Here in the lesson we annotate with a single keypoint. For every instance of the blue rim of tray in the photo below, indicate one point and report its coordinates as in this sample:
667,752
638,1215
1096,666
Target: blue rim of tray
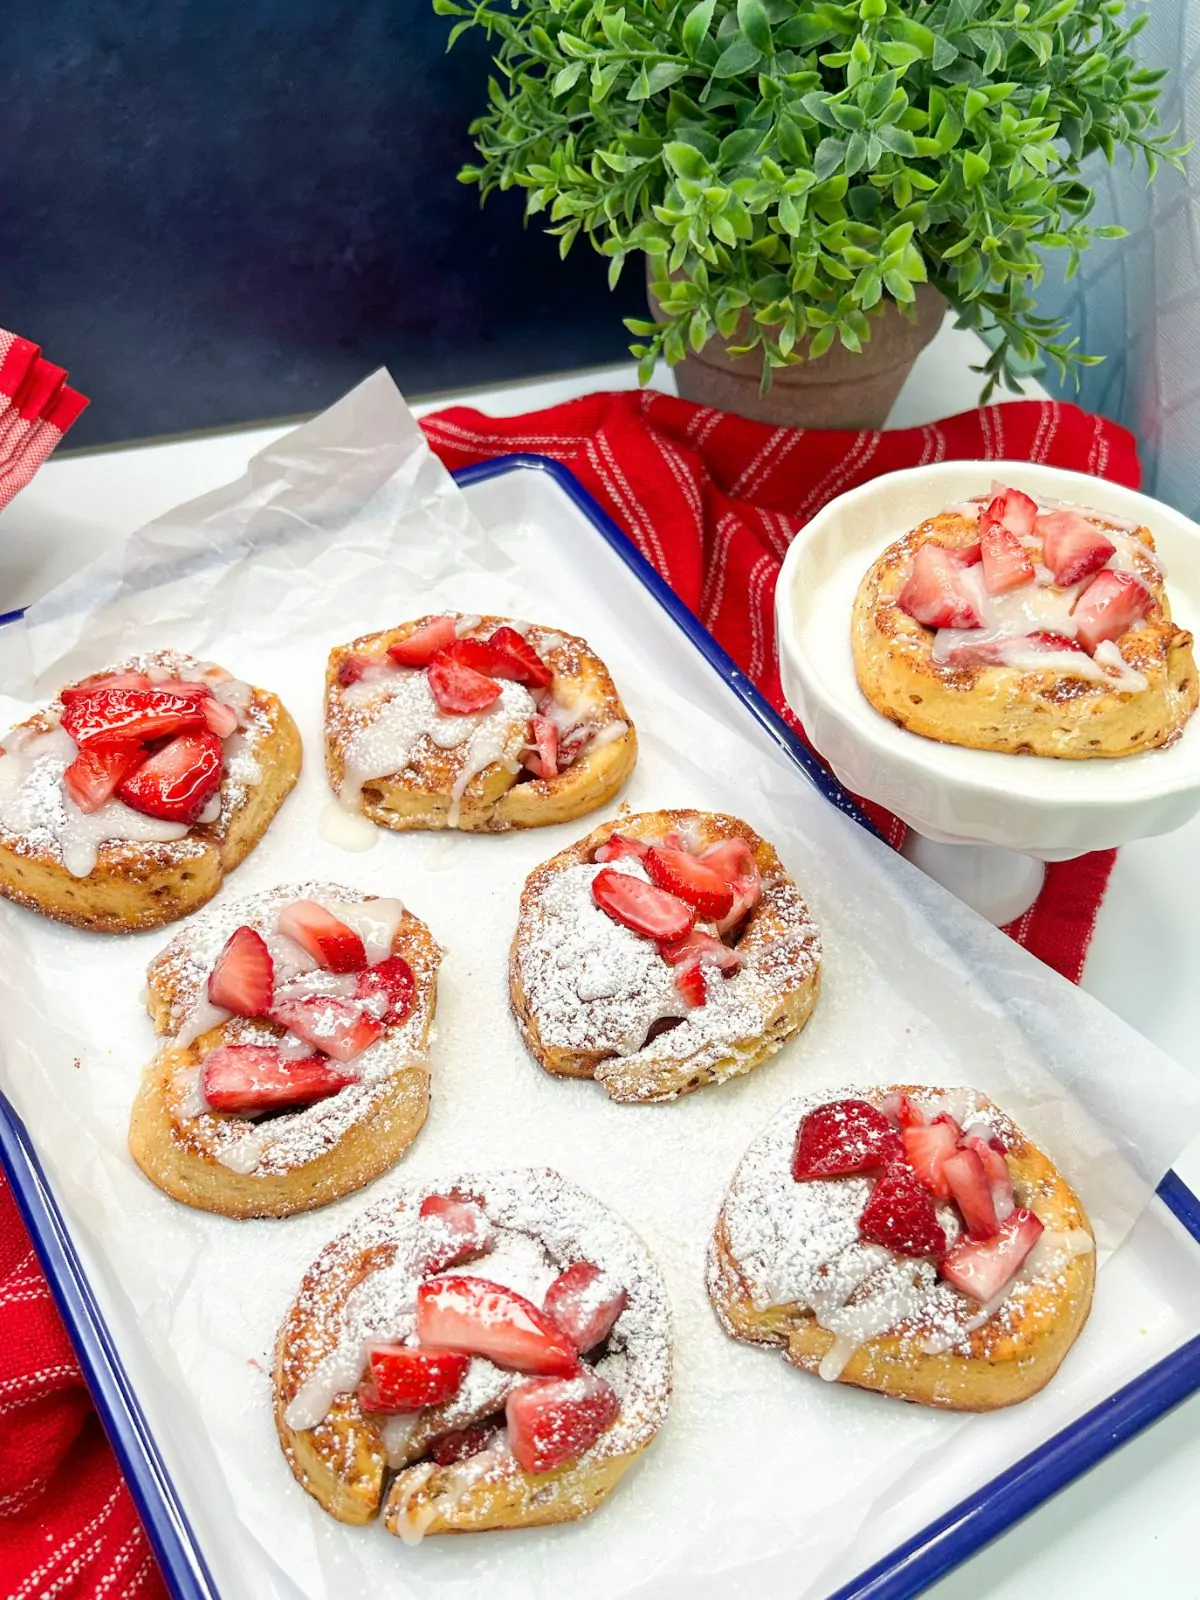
905,1571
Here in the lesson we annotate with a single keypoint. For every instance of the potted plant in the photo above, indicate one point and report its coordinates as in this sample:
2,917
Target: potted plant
812,182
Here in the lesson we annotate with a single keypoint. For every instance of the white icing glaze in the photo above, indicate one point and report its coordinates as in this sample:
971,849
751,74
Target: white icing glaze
375,922
349,830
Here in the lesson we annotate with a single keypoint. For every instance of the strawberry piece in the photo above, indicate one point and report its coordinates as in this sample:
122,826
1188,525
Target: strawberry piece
1072,547
243,980
1044,640
219,718
1006,565
1014,510
585,1304
105,680
178,781
393,979
641,906
700,947
458,689
418,648
936,593
462,1443
972,1192
928,1148
115,716
481,656
968,555
981,1268
94,775
995,1168
689,981
243,1079
1110,605
326,937
900,1215
543,761
522,661
617,845
405,1378
734,861
899,1109
688,878
341,1028
481,1318
554,1420
351,668
458,1228
841,1138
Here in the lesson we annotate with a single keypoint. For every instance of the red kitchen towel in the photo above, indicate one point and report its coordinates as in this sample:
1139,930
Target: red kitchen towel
711,501
37,406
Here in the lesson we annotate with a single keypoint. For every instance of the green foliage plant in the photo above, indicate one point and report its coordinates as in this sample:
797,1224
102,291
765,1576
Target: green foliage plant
790,166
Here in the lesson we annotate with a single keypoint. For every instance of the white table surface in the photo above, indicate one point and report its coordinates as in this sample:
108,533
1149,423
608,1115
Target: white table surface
1128,1526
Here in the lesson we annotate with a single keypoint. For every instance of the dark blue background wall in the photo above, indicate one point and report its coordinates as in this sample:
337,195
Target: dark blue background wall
217,211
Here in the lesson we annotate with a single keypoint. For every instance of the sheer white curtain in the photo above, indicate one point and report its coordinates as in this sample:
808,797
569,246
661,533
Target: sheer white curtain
1136,301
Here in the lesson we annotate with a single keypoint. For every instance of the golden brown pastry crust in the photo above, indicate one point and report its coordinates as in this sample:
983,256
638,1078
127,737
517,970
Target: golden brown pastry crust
342,1461
778,934
1008,709
179,1150
494,801
1006,1360
135,886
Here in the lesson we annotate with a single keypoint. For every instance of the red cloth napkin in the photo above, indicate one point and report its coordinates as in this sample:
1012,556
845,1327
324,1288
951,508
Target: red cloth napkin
712,502
37,406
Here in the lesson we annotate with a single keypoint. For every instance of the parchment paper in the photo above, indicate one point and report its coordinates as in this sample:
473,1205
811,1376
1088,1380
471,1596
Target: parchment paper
761,1475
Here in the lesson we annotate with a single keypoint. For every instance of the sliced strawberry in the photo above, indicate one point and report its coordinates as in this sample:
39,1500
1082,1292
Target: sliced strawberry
243,980
351,668
928,1148
326,937
968,555
405,1378
617,845
246,1078
554,1420
641,906
901,1216
841,1138
972,1192
585,1304
898,1108
688,878
94,775
461,1443
1044,640
1014,510
178,781
689,981
936,593
482,1318
1072,547
219,718
114,716
523,662
1006,565
393,979
105,680
480,655
457,1228
543,760
983,1267
996,1170
734,861
700,947
458,689
419,647
1110,605
341,1028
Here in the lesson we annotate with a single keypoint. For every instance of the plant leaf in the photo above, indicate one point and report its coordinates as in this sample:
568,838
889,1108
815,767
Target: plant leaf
755,24
736,58
696,25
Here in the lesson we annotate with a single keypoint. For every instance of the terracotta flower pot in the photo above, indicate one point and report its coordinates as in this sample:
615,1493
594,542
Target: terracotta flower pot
837,390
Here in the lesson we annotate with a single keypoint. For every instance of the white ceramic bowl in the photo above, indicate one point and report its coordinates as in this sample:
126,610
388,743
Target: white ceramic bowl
1044,808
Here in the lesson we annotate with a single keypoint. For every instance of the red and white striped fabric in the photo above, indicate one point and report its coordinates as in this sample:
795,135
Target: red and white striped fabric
37,406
